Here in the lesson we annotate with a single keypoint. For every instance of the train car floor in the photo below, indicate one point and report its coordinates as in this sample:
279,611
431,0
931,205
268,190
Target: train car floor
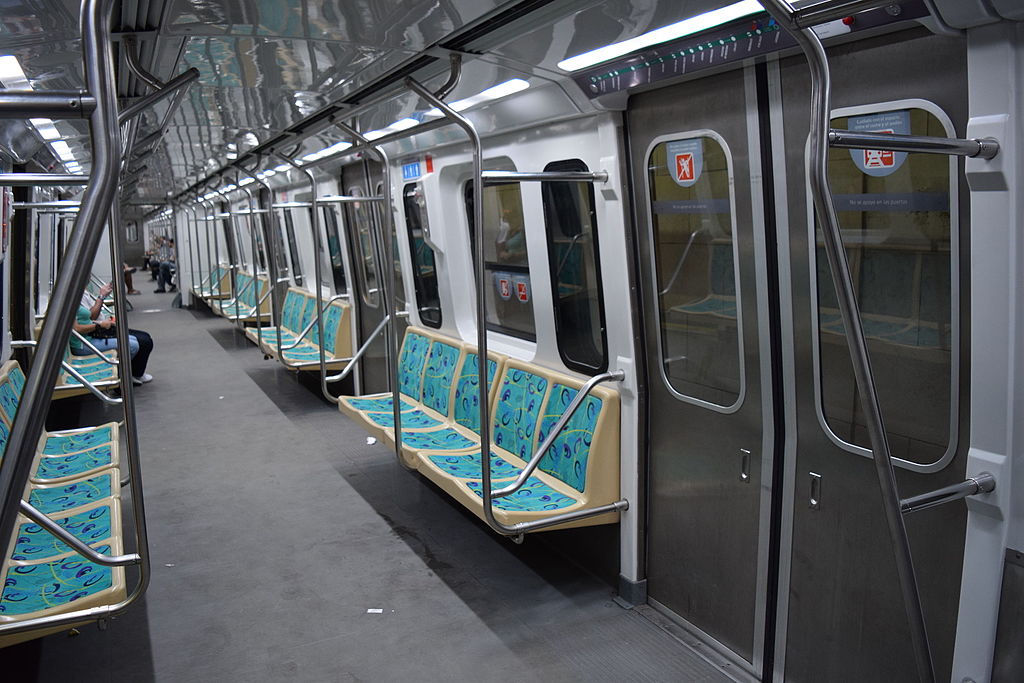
286,548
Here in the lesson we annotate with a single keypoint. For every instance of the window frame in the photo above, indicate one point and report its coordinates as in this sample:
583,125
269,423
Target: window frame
410,204
369,296
547,187
656,288
955,293
294,259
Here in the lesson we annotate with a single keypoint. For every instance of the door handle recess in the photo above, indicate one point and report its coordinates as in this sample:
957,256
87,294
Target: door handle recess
815,498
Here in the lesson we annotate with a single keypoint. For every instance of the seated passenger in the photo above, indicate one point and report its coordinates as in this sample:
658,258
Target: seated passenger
89,323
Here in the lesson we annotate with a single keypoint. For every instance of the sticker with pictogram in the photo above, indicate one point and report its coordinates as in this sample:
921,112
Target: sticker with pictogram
879,162
522,292
504,288
685,159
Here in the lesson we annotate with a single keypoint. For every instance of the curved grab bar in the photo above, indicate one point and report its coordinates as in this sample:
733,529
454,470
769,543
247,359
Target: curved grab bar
93,389
81,548
577,401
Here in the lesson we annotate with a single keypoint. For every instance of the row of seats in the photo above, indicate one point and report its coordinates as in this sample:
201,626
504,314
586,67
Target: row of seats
298,316
216,285
75,480
251,303
440,414
93,369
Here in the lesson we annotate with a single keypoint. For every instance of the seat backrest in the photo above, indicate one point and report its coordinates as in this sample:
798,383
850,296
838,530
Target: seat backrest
12,382
517,409
337,332
308,309
467,395
291,311
412,360
438,375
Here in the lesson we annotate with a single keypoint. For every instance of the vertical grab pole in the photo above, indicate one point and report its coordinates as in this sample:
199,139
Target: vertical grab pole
821,109
481,300
271,277
387,246
131,429
99,194
255,261
210,258
275,299
189,224
315,226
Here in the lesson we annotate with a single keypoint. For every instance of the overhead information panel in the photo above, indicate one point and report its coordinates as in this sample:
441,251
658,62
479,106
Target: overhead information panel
732,42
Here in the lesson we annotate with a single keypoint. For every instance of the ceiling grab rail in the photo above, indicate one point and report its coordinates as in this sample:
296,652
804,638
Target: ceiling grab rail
82,246
516,531
269,228
385,248
184,79
820,113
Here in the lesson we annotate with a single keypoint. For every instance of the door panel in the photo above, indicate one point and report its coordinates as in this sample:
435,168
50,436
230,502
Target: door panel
691,173
846,619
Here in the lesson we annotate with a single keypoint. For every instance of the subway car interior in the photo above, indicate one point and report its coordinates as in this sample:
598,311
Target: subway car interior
729,290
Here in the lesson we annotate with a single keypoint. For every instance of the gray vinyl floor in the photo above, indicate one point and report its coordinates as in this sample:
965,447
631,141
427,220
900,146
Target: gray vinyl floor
275,528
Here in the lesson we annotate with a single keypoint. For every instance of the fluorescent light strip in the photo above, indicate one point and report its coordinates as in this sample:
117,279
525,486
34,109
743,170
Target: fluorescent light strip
701,22
12,75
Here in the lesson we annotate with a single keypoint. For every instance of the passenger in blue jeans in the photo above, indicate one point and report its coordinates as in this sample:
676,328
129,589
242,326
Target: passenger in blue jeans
88,321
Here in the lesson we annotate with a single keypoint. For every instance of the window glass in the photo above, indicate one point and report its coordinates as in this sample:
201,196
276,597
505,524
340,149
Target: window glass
894,211
509,293
359,215
293,247
575,270
691,212
424,269
334,247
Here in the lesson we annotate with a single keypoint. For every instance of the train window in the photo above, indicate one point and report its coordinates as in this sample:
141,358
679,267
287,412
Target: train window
690,184
133,232
334,248
293,248
424,268
359,216
895,212
509,294
571,224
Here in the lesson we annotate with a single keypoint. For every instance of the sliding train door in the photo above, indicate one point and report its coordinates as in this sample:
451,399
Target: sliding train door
905,228
766,532
700,232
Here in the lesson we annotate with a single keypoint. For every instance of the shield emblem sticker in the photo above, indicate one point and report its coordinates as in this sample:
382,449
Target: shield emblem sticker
685,159
879,162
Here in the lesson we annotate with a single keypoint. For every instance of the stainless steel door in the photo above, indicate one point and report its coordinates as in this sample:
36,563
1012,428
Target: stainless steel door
905,240
697,237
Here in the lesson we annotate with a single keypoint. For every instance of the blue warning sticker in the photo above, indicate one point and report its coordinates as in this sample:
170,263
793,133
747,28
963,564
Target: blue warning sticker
880,162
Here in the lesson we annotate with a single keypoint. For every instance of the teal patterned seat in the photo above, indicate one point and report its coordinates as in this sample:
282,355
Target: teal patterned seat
76,494
467,466
35,543
566,459
445,439
53,467
37,587
411,361
518,411
534,496
60,444
413,419
435,392
379,404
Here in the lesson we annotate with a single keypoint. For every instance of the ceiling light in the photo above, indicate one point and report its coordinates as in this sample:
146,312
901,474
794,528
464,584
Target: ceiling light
493,93
46,129
701,22
62,150
282,168
12,75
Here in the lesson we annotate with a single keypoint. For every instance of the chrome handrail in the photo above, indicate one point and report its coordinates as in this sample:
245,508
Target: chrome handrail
983,482
682,260
354,359
70,539
821,193
556,430
95,351
94,389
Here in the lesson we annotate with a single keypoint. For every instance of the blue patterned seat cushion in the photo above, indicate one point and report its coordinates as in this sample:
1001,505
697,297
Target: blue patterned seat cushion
35,543
60,498
37,587
60,466
60,444
446,439
517,411
438,375
534,496
467,466
411,362
9,399
414,419
467,393
567,457
100,374
380,404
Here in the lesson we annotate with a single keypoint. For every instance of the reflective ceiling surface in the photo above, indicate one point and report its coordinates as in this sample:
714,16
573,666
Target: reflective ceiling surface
265,65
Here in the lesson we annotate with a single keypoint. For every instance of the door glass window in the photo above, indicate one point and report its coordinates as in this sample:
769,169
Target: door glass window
509,293
694,263
575,270
334,248
894,211
424,267
293,247
360,216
